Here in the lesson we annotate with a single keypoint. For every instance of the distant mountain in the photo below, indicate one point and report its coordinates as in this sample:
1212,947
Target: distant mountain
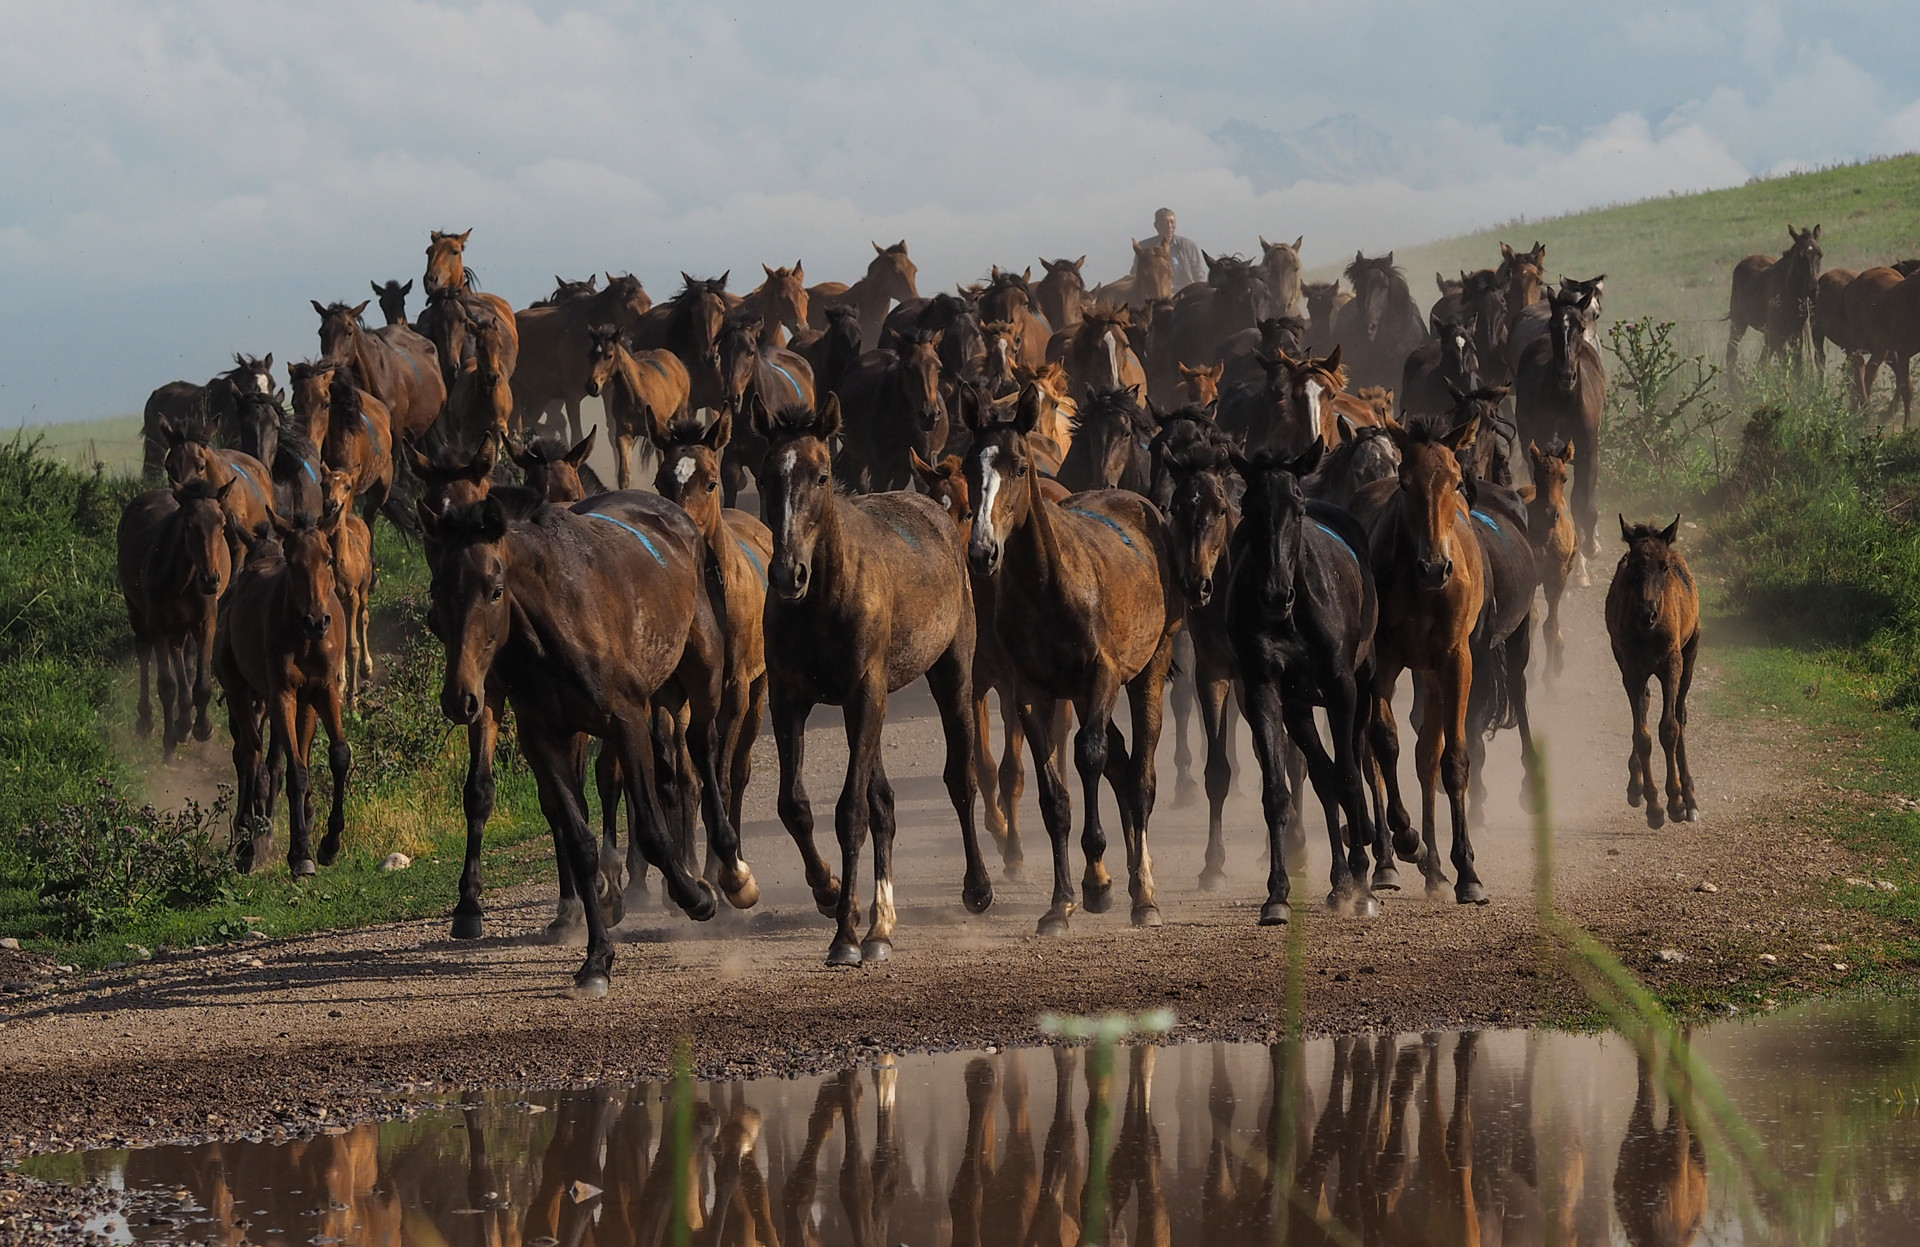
1342,149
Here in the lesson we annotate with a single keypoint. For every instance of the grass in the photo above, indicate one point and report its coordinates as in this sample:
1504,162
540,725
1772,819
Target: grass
112,441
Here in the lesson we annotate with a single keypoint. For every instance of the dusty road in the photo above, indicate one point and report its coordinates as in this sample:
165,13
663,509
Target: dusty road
276,1033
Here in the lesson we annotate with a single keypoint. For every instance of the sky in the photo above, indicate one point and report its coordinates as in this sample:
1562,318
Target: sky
177,180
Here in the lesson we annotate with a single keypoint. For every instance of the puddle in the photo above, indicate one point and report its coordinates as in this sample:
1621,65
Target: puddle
1479,1137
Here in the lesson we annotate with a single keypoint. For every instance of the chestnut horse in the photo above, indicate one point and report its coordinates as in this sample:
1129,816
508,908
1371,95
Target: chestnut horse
394,364
891,277
1099,356
1555,542
550,377
1382,324
892,407
278,653
352,544
191,456
868,593
1062,293
1653,620
1086,602
1560,390
1010,298
1151,278
641,390
1776,297
556,471
359,442
780,303
173,565
478,350
447,274
689,325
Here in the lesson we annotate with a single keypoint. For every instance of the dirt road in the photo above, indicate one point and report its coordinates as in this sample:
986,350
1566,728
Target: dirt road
270,1034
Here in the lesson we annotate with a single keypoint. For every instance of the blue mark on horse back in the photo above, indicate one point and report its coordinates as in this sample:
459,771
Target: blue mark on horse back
651,548
789,377
251,483
759,568
1351,552
1110,522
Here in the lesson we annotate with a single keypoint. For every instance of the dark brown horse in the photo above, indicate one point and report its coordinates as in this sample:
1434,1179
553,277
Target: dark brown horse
352,543
191,456
1062,293
1776,297
392,297
642,390
1240,354
1560,391
1087,603
1522,278
1555,542
891,277
394,364
174,563
359,442
1324,300
867,594
1653,619
556,471
689,325
1010,298
1205,317
833,351
780,302
1382,325
587,620
478,350
892,407
1110,443
550,377
1435,369
279,654
186,405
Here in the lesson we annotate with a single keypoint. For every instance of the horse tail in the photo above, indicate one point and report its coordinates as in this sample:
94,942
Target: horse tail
1504,711
399,505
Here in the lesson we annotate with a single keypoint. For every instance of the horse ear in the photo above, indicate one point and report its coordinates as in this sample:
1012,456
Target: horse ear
827,423
1299,242
281,528
414,459
1332,361
1454,390
493,519
376,288
1506,252
1462,437
1348,429
408,288
579,454
1439,282
1816,231
172,435
1241,464
220,494
758,416
1307,462
317,307
877,248
1077,263
766,270
1264,244
518,452
480,467
719,433
1533,449
361,308
1027,273
684,279
1671,533
1566,452
429,520
463,237
799,271
927,473
1626,533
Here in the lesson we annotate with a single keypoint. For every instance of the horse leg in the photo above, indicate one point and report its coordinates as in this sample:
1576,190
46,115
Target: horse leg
1182,695
985,769
573,422
339,761
203,677
1586,488
1518,654
1426,765
1386,754
610,787
476,799
1056,807
1449,711
1013,782
703,733
171,696
1090,748
1640,759
290,732
866,712
1736,330
243,724
623,455
1145,697
635,744
877,945
1264,725
1215,695
1669,677
1690,802
1556,587
951,681
789,715
551,757
742,750
143,652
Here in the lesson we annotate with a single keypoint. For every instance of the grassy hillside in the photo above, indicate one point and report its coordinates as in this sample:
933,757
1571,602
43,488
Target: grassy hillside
1670,258
113,441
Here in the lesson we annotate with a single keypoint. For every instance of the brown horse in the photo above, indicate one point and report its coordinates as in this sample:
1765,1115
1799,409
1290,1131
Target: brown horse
1829,321
1382,325
1110,446
1317,400
174,563
867,594
1052,439
1279,272
352,579
891,277
740,549
892,406
1522,280
447,273
1087,602
184,404
1776,297
278,654
1062,293
1201,386
1653,619
1560,390
1099,356
392,297
550,377
478,350
359,442
642,391
1324,301
1151,278
1550,529
1011,298
689,324
191,456
1660,1180
999,374
587,620
556,471
780,302
311,381
394,364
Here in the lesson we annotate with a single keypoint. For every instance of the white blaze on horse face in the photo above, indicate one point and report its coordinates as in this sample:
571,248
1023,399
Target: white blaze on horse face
1113,356
989,490
262,383
1314,391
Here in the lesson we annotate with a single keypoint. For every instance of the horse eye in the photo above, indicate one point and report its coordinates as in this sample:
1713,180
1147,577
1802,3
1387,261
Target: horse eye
825,477
712,485
498,593
1020,470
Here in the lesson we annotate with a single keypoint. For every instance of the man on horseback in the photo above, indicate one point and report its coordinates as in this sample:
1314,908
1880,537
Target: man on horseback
1188,266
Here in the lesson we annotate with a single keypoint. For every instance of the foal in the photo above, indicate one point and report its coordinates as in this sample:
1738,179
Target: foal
1555,543
867,594
1653,619
555,471
638,387
352,579
174,562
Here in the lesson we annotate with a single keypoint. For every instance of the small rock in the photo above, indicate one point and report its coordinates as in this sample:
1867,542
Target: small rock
258,935
256,963
396,861
1343,977
10,944
1706,885
580,1192
140,953
1839,967
1886,885
1727,1007
1670,956
63,969
1854,881
1613,852
335,1013
1768,959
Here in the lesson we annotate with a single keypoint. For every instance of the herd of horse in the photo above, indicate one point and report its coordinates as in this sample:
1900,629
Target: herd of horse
1021,487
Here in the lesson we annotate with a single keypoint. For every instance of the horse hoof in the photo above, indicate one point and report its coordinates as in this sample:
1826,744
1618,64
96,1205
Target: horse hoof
1275,914
1147,916
1436,887
745,893
1097,898
304,868
1211,878
1386,878
1185,793
1471,893
466,926
565,933
1366,906
706,904
1053,924
203,730
1013,869
1656,817
1693,815
978,898
876,950
329,850
843,953
827,899
144,727
588,987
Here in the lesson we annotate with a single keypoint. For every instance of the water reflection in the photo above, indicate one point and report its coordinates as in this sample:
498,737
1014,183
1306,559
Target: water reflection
1472,1138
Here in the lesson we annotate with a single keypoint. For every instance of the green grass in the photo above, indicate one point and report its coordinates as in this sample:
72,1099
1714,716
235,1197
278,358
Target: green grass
112,441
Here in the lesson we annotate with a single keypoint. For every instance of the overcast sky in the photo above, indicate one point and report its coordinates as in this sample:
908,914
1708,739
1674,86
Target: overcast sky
177,180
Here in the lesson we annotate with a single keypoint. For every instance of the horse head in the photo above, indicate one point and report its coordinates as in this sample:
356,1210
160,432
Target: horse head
450,481
1190,458
1374,281
1152,270
472,609
1280,269
689,471
1000,471
893,273
340,328
1569,317
1275,511
796,486
1433,489
446,263
946,483
203,521
553,468
1650,569
1802,263
1114,427
308,551
393,300
1523,274
785,295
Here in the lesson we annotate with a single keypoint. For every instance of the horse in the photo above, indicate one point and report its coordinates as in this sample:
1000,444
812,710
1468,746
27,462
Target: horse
359,442
999,373
586,620
1448,361
1301,608
1522,280
1239,353
739,548
1828,321
1052,440
550,376
1883,305
1010,298
396,365
1098,355
1653,620
392,297
1204,317
1382,324
892,406
311,382
780,302
641,390
184,404
689,324
1489,457
750,367
1150,278
955,317
447,275
833,351
1555,542
564,290
866,594
1201,386
173,564
1086,602
556,471
296,468
1315,399
352,543
1279,273
1560,390
478,350
278,657
191,456
1364,454
891,277
1452,297
1776,297
1062,293
1110,446
1324,301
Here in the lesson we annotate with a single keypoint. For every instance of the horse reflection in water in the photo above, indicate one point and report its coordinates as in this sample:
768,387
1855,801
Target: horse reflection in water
869,1181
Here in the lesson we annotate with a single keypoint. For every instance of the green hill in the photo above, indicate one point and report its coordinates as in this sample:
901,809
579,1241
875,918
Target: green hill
114,441
1670,258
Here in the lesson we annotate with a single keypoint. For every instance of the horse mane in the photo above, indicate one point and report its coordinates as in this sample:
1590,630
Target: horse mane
1396,277
1115,403
196,489
295,448
685,429
1108,316
1428,428
1320,287
1189,441
1636,533
341,309
1481,283
793,420
695,287
842,311
547,450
